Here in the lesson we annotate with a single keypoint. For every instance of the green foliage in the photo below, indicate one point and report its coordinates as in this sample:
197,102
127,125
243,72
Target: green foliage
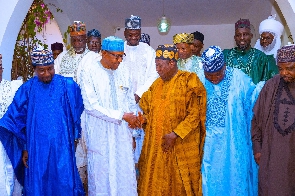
35,20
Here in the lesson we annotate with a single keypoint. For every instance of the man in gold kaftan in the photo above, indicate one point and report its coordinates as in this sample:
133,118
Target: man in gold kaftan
174,112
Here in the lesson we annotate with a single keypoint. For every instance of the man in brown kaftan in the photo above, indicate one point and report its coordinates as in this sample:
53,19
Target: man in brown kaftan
273,129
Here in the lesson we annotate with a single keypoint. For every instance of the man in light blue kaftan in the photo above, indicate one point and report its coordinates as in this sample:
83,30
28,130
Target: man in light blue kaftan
227,161
186,60
39,131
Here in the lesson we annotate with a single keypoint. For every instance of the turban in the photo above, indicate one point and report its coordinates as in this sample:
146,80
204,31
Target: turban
242,23
113,43
134,22
41,58
198,36
78,28
286,54
145,38
94,33
212,59
272,26
183,38
167,52
57,46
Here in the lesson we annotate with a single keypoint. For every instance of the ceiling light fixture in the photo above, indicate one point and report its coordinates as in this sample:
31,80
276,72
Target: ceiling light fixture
163,23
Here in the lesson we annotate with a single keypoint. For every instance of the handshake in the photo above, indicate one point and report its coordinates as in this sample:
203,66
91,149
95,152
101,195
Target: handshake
134,121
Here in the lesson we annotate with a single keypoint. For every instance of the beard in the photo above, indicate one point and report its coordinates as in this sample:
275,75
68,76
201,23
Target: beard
243,47
270,46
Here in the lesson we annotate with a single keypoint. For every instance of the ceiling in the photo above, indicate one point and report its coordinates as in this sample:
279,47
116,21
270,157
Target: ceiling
182,12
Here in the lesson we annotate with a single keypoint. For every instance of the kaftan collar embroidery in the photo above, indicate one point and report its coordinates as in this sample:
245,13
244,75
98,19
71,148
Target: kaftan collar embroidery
286,103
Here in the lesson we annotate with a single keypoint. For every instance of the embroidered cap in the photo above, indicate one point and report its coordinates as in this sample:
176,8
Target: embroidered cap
42,58
198,36
212,59
242,23
57,46
167,52
94,33
78,28
134,22
286,54
145,38
113,43
183,38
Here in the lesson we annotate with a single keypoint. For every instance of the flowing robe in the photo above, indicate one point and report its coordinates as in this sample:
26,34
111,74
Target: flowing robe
252,62
140,62
7,188
44,119
107,95
177,105
228,159
273,135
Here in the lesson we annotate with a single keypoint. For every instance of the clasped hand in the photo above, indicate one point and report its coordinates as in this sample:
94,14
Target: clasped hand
133,120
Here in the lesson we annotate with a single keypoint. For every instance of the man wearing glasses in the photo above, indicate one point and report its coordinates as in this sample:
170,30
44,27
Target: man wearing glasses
270,31
109,104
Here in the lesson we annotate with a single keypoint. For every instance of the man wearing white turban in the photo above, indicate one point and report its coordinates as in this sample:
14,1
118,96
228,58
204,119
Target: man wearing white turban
270,31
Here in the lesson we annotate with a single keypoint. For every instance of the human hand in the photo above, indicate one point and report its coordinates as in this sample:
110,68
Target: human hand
141,118
137,98
168,141
25,158
257,157
133,121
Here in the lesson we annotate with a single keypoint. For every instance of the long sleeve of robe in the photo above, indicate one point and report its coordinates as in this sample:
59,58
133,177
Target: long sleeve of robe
107,94
228,159
177,105
44,119
274,115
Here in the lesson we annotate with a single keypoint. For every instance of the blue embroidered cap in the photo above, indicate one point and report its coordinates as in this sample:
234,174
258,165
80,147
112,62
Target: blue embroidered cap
42,58
212,59
145,38
94,33
113,43
134,22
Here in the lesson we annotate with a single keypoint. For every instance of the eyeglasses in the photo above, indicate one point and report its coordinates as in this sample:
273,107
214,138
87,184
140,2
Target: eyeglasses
117,56
269,39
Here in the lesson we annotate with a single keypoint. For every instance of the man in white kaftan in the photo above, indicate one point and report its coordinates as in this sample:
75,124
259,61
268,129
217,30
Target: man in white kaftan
69,64
140,62
109,100
8,183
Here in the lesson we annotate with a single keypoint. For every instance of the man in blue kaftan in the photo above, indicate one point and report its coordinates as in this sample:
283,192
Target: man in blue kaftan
39,131
227,160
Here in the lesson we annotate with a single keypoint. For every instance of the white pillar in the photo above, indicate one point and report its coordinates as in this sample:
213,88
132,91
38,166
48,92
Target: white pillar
12,15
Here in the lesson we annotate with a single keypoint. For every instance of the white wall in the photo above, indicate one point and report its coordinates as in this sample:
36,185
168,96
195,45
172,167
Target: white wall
12,15
51,34
221,35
